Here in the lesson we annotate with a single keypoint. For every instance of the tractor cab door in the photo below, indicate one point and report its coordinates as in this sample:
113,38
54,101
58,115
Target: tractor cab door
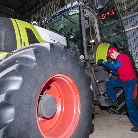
111,26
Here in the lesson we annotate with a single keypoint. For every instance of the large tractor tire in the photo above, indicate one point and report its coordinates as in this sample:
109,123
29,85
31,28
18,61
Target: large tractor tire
7,35
44,92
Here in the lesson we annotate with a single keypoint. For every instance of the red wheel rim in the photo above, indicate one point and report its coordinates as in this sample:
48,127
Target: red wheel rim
64,122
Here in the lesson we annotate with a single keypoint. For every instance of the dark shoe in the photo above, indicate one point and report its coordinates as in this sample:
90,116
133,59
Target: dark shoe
115,103
135,129
111,102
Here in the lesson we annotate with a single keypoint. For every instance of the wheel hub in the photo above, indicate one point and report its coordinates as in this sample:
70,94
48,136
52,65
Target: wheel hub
58,110
47,106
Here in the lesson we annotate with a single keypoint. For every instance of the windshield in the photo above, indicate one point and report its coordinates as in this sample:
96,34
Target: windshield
111,27
67,24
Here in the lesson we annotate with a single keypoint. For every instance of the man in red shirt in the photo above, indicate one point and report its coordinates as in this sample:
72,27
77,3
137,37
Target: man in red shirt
122,67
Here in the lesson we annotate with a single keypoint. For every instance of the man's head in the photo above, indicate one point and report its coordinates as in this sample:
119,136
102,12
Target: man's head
112,53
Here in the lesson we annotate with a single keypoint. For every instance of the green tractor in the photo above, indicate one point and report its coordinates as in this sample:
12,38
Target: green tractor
49,77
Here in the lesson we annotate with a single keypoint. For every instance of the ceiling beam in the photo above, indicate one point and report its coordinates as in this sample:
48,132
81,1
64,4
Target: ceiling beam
14,9
36,7
62,3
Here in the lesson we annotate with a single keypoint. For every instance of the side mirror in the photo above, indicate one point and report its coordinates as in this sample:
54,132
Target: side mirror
99,4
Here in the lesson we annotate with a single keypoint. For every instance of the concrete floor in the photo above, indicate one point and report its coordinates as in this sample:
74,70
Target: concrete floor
107,125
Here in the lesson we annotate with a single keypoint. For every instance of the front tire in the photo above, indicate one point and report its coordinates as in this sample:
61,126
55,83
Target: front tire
49,92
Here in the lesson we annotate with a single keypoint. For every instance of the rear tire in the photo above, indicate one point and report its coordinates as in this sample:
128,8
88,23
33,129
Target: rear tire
27,75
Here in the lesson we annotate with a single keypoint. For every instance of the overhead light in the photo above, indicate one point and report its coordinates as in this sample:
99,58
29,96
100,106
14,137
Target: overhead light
34,23
71,36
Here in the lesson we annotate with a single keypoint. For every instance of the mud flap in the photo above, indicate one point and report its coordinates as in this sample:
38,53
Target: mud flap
136,102
135,96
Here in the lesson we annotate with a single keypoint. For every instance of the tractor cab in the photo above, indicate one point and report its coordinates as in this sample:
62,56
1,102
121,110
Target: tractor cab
85,26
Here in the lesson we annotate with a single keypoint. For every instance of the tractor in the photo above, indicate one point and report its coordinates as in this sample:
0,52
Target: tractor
50,81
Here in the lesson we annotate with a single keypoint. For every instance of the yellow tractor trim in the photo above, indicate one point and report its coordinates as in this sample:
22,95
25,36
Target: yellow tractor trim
18,39
102,51
2,55
21,34
22,26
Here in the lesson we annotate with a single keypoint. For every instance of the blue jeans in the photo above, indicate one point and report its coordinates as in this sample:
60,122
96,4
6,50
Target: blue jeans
128,87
